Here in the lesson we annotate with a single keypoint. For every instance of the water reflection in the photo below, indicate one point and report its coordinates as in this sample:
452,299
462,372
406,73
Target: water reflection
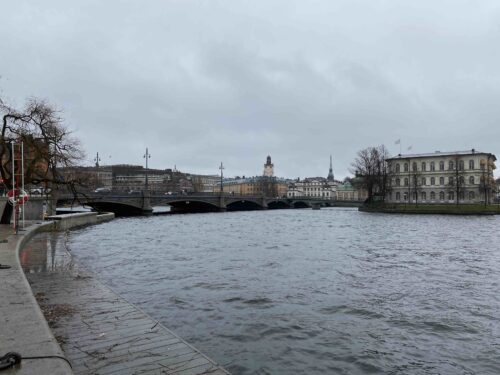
46,253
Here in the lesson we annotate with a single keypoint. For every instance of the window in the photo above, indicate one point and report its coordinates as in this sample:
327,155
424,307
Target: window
406,167
441,165
461,196
433,166
461,165
433,195
461,181
451,181
424,181
441,195
471,180
451,195
414,195
471,164
441,180
398,182
406,181
451,166
433,181
424,167
398,196
471,195
424,196
405,196
398,168
414,166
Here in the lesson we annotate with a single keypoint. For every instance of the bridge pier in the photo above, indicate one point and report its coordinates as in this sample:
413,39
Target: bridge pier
264,203
222,203
146,203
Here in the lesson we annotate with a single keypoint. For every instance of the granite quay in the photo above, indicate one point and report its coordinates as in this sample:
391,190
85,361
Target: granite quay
99,332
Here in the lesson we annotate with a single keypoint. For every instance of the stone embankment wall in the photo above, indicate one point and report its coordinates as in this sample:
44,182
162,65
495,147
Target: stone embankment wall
69,221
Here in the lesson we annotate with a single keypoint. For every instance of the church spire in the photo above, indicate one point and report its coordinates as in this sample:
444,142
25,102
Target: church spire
330,171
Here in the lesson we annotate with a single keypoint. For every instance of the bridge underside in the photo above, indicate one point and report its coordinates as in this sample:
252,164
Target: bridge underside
127,205
243,205
300,204
119,209
277,205
192,207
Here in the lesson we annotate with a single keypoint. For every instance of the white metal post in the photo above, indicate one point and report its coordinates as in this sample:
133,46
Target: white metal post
22,177
13,175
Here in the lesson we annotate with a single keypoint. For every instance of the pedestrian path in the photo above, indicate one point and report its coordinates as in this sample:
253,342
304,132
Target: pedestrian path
101,333
23,328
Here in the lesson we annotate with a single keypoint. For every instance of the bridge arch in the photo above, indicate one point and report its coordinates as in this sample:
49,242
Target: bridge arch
189,205
274,205
118,208
301,204
243,205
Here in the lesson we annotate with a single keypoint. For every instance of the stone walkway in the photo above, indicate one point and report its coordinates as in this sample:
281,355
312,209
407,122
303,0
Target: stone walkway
101,333
23,328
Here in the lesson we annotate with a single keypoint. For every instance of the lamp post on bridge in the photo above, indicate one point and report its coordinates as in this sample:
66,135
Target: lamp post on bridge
147,156
97,159
221,177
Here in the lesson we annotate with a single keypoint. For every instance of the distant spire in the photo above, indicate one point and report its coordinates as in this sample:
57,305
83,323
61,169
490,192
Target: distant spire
330,171
268,167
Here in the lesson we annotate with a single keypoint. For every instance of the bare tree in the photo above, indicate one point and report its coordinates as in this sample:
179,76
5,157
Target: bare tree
48,144
487,181
457,181
268,186
371,168
415,184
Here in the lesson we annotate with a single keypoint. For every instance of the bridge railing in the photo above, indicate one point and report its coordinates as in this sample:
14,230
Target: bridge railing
309,197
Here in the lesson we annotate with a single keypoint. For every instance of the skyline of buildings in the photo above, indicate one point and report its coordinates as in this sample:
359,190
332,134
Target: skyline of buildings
439,177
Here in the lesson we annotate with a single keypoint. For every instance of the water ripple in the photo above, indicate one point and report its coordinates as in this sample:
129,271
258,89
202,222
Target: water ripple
329,291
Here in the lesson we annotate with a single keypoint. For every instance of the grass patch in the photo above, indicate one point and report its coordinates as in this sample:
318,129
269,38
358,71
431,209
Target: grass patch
461,209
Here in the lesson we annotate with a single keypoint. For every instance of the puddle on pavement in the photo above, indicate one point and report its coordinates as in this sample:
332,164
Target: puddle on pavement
46,253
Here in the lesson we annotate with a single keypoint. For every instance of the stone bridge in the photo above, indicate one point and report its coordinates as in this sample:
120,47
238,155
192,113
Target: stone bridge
141,203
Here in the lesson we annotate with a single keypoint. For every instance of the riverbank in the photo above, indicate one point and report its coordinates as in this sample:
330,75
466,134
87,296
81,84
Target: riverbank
85,316
439,209
24,328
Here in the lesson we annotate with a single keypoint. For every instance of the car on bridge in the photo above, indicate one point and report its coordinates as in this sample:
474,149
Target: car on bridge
102,190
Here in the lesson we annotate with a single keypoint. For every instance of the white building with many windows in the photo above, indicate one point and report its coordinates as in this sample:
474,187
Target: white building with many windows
313,187
442,177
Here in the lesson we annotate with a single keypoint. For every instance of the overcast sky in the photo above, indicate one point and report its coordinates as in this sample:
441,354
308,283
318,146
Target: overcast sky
200,82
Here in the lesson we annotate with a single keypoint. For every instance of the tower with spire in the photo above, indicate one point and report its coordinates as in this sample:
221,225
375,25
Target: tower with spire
330,171
268,168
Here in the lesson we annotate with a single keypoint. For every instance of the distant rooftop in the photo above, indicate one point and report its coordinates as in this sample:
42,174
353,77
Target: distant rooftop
440,153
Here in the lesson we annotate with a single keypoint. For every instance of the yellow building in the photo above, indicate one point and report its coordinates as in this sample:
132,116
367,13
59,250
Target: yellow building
268,186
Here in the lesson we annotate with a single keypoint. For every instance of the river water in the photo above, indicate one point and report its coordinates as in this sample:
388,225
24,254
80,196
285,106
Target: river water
333,291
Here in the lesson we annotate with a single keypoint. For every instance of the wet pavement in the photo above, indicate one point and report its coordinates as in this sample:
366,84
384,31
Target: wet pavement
100,332
23,327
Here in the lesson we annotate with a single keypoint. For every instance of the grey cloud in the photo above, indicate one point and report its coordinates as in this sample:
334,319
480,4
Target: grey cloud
199,82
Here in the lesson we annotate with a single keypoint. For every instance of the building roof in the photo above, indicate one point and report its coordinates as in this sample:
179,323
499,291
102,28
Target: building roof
439,153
